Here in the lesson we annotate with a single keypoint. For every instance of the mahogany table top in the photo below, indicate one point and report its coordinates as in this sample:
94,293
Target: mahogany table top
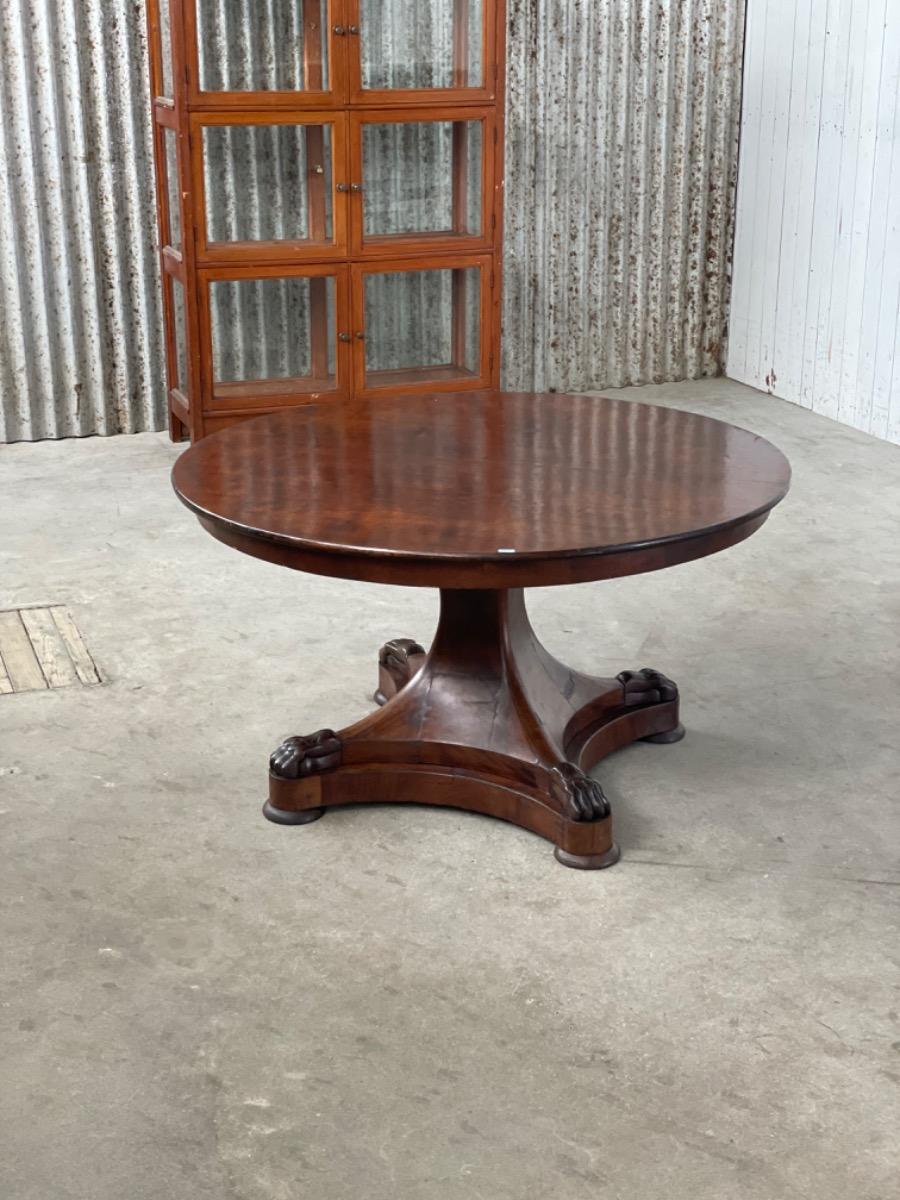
482,489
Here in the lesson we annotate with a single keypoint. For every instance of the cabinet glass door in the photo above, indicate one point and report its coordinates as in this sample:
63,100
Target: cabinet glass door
166,80
421,47
169,168
277,338
420,327
180,376
247,47
424,181
272,187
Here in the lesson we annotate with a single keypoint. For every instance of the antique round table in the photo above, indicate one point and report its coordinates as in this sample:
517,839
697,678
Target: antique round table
481,495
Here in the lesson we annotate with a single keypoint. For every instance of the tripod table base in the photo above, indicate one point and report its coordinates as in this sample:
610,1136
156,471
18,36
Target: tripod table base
486,721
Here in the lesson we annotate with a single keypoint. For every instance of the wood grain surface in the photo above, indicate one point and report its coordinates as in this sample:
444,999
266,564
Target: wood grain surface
482,489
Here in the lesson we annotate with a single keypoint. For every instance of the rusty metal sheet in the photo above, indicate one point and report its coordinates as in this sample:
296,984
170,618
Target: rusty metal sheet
622,148
81,348
622,138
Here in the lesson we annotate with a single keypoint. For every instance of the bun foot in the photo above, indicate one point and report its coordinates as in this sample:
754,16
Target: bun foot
588,862
283,816
666,739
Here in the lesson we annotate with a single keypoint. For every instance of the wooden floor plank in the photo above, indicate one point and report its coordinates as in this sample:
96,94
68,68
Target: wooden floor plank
49,647
19,658
85,666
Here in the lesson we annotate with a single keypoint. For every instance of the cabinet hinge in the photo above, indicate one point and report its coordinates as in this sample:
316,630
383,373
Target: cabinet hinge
492,280
493,221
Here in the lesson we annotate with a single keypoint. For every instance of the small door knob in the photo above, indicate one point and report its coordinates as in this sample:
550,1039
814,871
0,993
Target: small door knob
353,29
360,336
344,337
356,187
339,30
341,187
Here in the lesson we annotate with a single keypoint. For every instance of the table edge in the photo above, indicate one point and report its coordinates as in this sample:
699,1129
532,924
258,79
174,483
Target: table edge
507,572
415,558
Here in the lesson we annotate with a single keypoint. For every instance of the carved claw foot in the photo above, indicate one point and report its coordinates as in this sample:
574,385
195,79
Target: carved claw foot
582,798
646,687
398,661
583,803
298,757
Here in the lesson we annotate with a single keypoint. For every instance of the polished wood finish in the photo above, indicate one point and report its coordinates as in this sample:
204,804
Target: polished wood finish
482,495
489,722
483,489
398,661
200,404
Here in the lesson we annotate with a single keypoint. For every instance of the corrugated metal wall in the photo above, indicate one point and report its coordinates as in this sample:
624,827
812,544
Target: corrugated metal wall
623,118
816,309
622,146
80,317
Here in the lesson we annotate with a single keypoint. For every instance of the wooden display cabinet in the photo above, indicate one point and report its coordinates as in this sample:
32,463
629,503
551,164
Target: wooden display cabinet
330,195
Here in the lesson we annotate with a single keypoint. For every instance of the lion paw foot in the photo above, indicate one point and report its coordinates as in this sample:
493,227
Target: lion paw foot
398,661
298,757
646,687
583,798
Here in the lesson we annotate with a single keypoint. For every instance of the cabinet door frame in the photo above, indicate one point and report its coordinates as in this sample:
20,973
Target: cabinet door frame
257,396
391,245
405,97
421,262
288,251
178,389
337,54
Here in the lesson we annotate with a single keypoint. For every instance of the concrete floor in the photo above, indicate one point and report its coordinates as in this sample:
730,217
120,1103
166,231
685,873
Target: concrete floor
420,1004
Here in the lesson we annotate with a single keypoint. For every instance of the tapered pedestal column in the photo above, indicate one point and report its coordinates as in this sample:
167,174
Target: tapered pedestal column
488,721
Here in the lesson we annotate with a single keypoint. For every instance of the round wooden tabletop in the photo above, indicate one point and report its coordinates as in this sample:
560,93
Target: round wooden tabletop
481,489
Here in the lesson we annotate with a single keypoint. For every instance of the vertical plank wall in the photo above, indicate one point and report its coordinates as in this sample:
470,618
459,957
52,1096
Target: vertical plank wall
815,309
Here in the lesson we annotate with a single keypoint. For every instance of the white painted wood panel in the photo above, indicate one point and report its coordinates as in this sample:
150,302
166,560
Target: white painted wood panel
815,309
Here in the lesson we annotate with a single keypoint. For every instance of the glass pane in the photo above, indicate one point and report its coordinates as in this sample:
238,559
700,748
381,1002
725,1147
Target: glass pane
274,329
434,45
165,37
182,380
268,182
423,325
422,177
172,187
248,46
